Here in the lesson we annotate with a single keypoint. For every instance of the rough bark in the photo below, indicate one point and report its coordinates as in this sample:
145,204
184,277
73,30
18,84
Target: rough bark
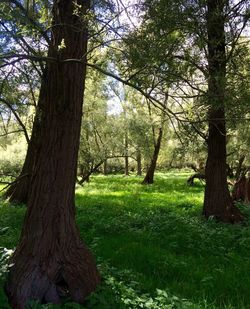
217,200
149,178
51,261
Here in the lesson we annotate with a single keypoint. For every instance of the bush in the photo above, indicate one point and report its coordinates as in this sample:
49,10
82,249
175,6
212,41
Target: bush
11,159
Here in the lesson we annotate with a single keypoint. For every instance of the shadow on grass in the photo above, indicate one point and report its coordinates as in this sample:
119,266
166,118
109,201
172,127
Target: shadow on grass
156,233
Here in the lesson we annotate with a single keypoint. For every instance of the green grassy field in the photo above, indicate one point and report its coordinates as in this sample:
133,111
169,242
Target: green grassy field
152,246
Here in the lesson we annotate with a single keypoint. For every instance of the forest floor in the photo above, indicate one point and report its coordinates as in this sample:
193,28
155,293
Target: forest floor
152,246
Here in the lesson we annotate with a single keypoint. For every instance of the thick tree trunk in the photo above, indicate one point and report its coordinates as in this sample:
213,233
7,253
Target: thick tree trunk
51,261
217,201
138,160
149,178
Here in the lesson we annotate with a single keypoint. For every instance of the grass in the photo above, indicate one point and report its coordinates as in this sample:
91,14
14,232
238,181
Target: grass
153,248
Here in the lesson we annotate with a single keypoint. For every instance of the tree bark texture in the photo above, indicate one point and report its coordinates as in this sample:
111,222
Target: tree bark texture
51,261
149,178
217,201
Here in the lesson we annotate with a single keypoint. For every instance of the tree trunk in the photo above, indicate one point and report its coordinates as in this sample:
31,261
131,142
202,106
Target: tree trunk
18,191
217,201
51,261
126,172
105,167
138,160
241,190
149,178
230,172
239,168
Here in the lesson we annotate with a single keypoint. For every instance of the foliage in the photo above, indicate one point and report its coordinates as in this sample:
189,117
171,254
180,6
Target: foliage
4,265
93,144
149,238
125,295
12,155
169,50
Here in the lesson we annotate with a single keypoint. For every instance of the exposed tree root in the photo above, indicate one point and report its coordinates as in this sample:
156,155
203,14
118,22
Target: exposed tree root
49,278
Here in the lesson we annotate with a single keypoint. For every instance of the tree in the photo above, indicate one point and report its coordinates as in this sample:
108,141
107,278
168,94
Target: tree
217,200
93,142
183,38
50,257
238,138
149,177
25,101
241,189
155,69
28,30
140,129
102,133
26,36
19,190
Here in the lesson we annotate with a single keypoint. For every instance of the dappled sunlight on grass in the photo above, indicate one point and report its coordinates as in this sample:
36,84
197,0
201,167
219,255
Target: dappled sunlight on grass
158,233
171,192
155,236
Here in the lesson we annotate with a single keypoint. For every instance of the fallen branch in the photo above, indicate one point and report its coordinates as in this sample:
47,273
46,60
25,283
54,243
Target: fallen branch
199,176
15,181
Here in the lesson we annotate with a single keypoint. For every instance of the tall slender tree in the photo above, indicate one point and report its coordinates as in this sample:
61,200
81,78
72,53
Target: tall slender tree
50,257
149,177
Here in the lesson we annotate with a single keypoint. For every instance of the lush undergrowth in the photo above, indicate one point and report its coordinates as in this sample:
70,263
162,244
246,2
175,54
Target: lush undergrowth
153,248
